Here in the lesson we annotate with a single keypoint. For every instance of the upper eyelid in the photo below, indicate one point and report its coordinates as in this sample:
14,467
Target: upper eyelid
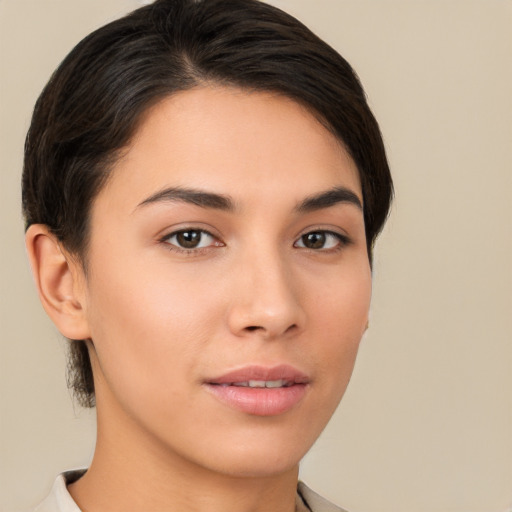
335,231
343,238
174,231
177,231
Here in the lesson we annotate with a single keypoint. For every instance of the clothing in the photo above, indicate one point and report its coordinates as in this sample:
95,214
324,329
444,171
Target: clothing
314,502
59,499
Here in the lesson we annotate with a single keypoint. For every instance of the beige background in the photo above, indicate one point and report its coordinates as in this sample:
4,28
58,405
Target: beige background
426,425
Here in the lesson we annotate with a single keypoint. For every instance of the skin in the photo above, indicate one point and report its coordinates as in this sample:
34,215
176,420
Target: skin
163,320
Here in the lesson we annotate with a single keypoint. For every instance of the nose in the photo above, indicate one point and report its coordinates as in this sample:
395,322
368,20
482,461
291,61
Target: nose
267,302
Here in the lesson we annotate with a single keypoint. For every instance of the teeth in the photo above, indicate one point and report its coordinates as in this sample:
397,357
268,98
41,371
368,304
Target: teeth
275,383
261,384
256,383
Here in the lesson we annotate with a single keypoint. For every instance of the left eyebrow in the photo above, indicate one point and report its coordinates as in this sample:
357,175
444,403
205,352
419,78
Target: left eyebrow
329,198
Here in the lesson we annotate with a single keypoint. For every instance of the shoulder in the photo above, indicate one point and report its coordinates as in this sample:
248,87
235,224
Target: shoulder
59,499
315,502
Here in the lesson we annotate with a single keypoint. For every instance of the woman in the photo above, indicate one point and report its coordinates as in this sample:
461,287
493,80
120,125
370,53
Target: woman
203,185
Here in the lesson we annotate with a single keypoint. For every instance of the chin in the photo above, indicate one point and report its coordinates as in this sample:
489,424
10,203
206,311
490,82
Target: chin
260,468
260,459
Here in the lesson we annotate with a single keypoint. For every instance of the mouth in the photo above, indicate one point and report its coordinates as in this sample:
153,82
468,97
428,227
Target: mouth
280,383
260,391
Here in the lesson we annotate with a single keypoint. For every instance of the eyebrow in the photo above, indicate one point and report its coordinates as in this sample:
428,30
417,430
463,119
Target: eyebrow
329,198
191,196
215,201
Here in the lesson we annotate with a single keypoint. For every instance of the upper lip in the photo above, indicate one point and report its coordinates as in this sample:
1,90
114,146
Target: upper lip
283,372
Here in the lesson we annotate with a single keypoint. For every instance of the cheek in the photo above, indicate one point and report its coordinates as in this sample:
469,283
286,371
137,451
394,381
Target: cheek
341,317
147,324
145,297
341,301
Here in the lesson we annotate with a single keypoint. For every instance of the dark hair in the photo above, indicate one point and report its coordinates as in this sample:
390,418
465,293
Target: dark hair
93,103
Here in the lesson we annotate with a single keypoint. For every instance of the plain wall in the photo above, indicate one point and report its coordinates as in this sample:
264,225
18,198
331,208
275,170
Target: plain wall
426,424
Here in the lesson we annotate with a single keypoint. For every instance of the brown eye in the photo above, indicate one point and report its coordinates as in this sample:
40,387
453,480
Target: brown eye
190,239
314,240
322,240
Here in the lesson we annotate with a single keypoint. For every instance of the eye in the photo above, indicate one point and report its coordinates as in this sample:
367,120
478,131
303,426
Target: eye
322,240
190,239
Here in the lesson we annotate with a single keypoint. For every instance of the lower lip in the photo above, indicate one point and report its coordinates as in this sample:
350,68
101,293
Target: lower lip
259,401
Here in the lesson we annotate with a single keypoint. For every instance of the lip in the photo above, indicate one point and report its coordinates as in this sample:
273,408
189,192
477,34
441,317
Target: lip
260,401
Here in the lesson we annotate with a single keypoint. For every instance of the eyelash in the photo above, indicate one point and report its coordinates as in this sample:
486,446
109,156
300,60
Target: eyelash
342,241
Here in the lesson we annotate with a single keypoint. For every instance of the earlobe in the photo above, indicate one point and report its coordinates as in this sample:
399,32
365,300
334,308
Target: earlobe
59,282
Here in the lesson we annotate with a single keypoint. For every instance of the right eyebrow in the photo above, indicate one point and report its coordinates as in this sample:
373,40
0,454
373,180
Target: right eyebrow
193,196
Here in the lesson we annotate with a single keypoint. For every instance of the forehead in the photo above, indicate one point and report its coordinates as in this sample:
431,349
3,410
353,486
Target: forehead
231,141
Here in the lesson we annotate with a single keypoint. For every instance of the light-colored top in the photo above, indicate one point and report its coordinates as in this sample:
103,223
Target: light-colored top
59,499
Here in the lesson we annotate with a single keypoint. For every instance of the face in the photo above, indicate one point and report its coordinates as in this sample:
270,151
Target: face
228,281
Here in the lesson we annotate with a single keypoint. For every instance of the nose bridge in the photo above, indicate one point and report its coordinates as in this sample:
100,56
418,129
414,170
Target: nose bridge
266,301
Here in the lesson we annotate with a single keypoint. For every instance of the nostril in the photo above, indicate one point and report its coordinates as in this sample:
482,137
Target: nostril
252,328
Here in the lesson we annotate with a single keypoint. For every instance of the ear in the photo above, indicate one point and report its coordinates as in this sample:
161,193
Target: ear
60,282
